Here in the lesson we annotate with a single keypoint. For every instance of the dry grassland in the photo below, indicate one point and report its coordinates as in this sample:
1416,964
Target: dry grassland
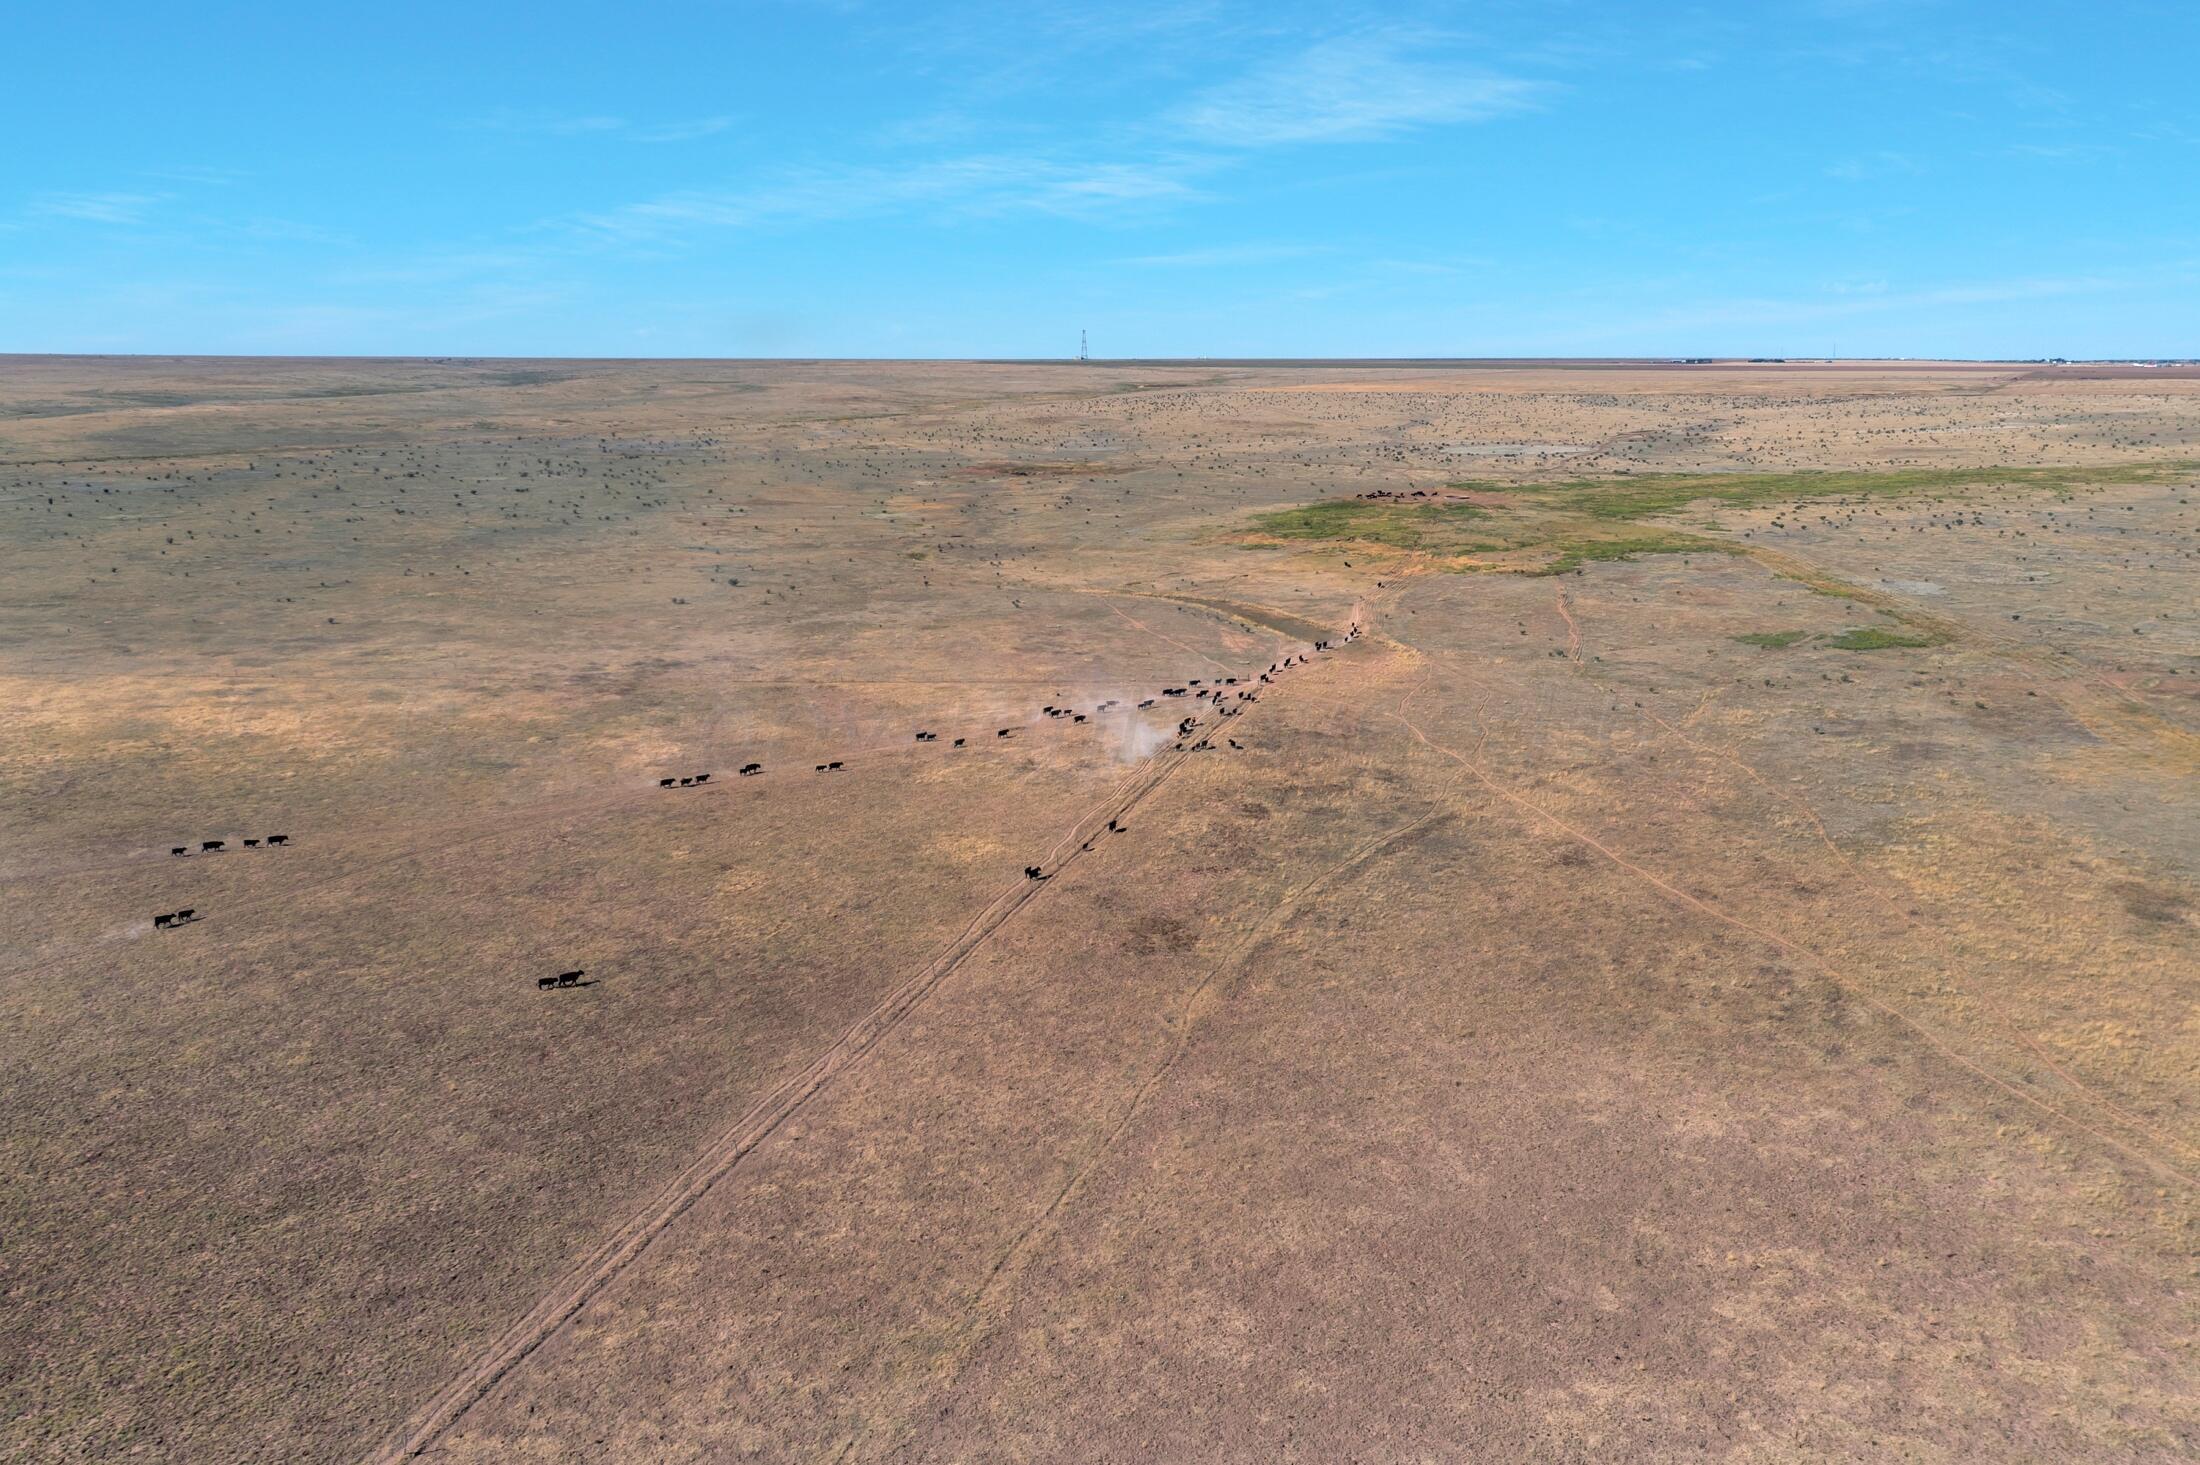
1709,972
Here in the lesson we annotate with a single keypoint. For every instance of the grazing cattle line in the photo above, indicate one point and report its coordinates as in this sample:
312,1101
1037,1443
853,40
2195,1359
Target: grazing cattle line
475,829
562,1303
545,808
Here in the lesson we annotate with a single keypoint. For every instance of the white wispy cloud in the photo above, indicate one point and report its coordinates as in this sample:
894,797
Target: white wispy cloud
95,208
201,175
2064,152
684,131
1371,84
978,184
277,230
1353,88
1858,300
589,124
1223,256
1884,163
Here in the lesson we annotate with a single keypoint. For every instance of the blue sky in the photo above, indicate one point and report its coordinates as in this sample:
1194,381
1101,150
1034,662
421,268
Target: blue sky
1599,177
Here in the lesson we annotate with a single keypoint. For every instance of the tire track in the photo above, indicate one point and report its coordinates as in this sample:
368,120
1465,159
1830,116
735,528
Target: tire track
601,1266
1871,884
1793,949
412,839
987,1303
1573,631
2118,714
1162,635
758,1123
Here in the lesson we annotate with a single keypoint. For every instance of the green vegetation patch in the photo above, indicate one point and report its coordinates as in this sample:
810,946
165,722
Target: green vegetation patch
1535,541
1554,528
1431,528
1774,639
1574,550
1635,495
1879,638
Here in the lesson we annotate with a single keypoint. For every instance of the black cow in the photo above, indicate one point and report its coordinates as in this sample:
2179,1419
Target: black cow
702,778
821,768
544,984
924,737
835,767
278,839
207,846
687,782
1113,827
750,770
1147,703
181,849
1080,717
1032,872
1004,732
958,742
162,923
186,914
570,979
666,782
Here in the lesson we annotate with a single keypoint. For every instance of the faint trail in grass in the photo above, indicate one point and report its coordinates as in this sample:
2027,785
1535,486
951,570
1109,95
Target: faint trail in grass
549,1315
1832,973
1205,996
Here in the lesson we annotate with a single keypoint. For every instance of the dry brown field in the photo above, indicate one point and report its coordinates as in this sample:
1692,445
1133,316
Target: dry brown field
1709,972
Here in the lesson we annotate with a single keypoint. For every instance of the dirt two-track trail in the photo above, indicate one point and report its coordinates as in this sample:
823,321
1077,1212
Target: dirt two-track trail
986,1306
1706,974
1665,887
632,1238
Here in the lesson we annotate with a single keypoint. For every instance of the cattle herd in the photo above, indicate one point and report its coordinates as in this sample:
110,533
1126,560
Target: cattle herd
1227,703
209,847
216,846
